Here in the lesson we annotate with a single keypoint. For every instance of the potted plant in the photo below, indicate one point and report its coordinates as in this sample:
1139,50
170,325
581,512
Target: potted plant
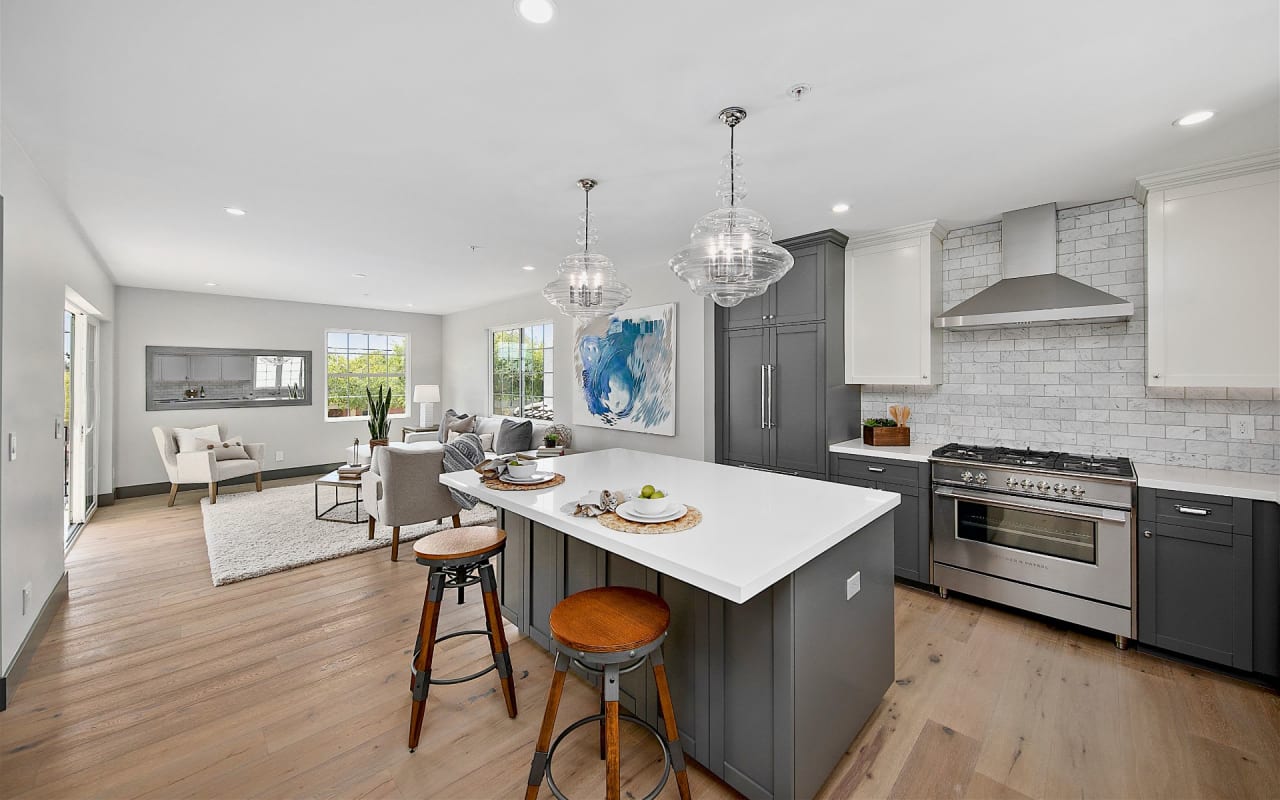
880,432
379,425
550,439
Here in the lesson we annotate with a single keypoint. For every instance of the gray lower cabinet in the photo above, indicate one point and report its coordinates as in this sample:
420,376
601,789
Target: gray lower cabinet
1208,567
768,694
910,479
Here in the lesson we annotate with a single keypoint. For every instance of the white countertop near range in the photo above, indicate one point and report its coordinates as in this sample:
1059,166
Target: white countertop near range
1251,485
912,452
757,527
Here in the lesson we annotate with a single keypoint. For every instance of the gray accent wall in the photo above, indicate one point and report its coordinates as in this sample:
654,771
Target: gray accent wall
307,437
1077,387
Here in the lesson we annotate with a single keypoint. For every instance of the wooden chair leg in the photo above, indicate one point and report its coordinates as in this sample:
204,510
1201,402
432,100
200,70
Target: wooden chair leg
498,637
613,759
457,520
669,718
213,492
372,523
420,679
173,494
257,479
395,542
539,767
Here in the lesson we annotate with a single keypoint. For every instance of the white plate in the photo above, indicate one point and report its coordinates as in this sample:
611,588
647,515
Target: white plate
537,477
627,512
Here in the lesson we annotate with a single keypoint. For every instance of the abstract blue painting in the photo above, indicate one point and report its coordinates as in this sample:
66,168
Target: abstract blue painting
625,368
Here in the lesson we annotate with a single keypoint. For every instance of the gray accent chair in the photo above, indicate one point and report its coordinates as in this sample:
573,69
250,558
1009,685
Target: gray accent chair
402,487
202,467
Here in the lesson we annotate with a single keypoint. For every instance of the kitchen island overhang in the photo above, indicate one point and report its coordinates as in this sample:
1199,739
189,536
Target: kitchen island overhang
781,643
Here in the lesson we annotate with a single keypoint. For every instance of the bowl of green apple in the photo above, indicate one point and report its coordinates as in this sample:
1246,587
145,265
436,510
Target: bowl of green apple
521,470
650,501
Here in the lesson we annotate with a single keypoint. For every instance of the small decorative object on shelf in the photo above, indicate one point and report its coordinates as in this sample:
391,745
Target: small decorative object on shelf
880,432
550,440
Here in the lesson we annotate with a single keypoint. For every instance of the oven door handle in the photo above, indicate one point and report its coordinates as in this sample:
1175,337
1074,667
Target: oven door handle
1059,509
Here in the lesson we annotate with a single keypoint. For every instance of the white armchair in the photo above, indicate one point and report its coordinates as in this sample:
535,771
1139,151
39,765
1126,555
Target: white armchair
203,467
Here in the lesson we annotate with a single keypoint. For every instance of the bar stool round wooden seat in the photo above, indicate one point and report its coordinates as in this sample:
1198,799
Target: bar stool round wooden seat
457,558
609,631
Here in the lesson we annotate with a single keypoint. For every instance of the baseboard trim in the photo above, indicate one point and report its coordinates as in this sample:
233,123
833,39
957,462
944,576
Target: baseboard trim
145,489
9,681
106,499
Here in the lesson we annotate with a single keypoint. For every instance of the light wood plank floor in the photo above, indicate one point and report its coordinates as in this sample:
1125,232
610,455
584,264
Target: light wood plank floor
151,683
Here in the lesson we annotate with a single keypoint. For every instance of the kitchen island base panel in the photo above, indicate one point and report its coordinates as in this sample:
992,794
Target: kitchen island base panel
768,694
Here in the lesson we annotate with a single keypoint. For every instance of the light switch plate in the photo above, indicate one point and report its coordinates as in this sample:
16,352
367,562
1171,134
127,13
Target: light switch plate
853,585
279,455
1241,426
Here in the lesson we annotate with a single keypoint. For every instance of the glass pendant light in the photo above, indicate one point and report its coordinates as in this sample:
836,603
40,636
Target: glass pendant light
586,284
731,255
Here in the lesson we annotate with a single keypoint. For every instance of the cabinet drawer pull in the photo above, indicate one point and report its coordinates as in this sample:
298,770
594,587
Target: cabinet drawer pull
1193,511
875,469
1146,534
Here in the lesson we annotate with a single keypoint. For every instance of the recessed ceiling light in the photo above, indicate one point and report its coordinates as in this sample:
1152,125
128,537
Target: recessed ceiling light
359,275
235,212
210,283
1194,118
536,11
528,268
408,305
840,208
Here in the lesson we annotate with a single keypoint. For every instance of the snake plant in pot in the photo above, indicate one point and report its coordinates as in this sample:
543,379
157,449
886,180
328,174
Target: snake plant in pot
379,424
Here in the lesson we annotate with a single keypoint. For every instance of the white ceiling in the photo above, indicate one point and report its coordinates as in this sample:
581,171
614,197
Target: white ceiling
388,137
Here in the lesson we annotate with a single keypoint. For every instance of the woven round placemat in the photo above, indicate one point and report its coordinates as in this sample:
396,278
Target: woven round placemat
503,486
617,523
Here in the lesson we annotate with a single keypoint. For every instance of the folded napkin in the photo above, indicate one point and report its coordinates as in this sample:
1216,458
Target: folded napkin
497,467
596,502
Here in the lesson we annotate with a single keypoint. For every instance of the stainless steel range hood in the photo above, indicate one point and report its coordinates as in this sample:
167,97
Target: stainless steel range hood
1031,290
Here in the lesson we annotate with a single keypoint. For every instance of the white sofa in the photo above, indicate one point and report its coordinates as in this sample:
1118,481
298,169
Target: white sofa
430,440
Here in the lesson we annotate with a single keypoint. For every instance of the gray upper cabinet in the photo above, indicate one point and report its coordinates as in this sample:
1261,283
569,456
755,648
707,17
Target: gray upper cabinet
780,391
799,296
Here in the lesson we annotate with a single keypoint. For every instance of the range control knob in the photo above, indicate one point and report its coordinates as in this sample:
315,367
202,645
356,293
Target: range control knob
982,479
1059,488
1077,490
1042,486
1026,484
966,476
1010,482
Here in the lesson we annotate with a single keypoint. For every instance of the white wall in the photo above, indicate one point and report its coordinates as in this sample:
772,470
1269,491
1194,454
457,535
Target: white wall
466,377
44,255
155,317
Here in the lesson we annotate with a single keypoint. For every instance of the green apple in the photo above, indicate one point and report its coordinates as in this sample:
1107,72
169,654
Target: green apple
657,496
647,491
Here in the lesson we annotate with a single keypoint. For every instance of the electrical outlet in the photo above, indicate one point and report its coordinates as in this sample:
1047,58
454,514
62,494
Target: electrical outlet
279,455
853,585
57,427
26,598
13,447
1241,426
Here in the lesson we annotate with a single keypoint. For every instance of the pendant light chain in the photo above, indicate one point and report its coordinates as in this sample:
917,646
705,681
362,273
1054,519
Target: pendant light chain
733,171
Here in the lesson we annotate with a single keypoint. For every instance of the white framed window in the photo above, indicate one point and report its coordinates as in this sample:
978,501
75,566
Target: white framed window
356,361
520,359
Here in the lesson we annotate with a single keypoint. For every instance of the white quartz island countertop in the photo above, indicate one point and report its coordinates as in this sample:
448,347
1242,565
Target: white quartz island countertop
757,527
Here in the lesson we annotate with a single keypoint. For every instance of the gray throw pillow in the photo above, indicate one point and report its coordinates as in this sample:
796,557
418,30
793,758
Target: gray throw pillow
513,437
450,417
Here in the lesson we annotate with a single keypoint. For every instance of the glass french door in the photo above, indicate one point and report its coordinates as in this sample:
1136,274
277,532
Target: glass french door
80,435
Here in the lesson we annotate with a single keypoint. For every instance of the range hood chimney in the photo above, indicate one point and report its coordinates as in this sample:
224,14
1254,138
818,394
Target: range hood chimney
1030,289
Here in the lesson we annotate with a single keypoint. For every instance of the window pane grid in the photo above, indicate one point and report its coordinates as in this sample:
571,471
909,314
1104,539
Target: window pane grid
520,379
356,362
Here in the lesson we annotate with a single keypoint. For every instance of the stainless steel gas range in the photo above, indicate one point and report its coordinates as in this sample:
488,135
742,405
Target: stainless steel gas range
1051,533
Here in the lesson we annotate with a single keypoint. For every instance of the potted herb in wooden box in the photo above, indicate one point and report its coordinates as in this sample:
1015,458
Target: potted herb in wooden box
880,432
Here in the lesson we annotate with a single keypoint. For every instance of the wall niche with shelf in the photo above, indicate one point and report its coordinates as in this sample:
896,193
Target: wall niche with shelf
219,377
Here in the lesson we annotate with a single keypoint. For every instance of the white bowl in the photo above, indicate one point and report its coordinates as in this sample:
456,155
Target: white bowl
523,470
648,507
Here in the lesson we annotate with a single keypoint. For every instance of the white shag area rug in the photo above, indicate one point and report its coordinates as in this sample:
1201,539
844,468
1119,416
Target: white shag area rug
256,533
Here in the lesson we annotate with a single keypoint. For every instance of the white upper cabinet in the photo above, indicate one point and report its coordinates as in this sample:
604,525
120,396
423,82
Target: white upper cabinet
1213,274
893,291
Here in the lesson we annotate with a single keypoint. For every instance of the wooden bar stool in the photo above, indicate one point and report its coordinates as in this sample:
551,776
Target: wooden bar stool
458,557
609,631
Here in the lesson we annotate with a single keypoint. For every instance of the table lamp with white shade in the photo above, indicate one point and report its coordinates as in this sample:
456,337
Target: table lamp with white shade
428,394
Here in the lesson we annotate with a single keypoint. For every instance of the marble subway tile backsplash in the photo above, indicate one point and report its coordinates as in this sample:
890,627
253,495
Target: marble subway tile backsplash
1076,387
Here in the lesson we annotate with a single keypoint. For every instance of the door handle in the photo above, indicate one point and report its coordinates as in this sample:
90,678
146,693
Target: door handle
769,372
763,421
1193,511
